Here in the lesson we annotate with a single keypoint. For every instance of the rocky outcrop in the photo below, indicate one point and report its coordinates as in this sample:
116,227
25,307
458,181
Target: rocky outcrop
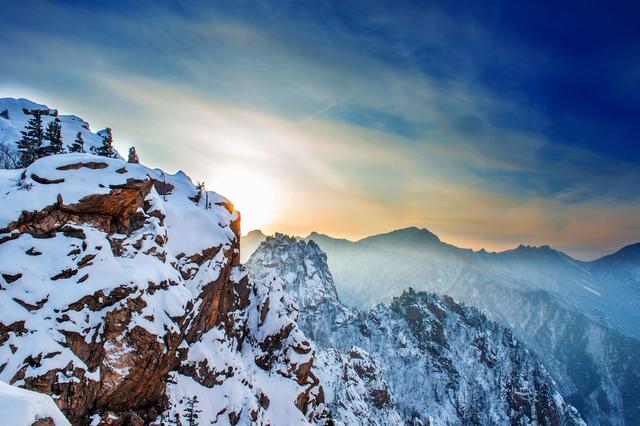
307,278
356,390
112,309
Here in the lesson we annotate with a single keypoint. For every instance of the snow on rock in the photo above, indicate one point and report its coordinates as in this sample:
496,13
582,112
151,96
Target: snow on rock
306,284
104,280
260,372
429,358
355,389
22,407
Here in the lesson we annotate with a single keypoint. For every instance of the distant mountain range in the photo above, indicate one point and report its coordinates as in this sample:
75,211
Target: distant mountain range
607,288
580,317
420,360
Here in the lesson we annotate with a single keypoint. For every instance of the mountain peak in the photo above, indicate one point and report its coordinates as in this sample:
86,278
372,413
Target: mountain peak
256,233
412,237
631,249
324,238
301,264
627,254
544,251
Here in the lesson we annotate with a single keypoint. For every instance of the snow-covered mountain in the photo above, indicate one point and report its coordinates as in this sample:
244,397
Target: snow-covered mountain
577,316
123,299
434,361
250,243
112,306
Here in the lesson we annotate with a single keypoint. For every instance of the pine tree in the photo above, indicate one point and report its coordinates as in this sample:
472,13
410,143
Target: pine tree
106,149
191,412
78,144
30,146
54,135
5,114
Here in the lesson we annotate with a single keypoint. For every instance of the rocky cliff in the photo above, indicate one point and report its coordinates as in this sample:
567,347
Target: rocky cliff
122,298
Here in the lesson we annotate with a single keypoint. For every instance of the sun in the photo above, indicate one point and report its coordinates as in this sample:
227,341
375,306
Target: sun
253,195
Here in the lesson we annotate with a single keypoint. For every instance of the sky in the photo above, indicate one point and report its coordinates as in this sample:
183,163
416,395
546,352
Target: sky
490,123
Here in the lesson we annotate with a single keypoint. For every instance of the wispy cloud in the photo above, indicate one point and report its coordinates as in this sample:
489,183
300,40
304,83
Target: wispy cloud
359,126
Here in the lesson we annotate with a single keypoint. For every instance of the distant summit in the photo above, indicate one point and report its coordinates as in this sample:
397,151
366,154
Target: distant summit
249,243
626,255
412,236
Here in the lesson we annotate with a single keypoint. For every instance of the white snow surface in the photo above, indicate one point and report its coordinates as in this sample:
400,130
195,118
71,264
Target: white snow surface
21,407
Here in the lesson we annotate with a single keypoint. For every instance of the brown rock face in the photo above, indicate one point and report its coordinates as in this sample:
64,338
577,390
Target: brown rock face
219,297
116,212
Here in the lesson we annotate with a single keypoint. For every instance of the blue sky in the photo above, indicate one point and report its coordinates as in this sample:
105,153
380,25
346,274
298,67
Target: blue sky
492,124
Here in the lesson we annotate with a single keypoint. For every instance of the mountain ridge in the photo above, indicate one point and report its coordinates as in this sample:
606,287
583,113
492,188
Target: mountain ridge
411,229
590,311
423,344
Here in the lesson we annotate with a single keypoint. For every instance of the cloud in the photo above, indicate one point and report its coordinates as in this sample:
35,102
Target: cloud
361,128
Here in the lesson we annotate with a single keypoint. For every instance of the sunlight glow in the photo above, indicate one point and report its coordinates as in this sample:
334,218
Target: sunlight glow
252,194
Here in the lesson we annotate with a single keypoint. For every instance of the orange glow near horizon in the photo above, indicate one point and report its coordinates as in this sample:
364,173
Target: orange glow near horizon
252,195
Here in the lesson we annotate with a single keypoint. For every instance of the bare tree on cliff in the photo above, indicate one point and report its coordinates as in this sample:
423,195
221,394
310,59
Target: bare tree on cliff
106,149
196,198
191,412
30,146
78,144
54,135
8,157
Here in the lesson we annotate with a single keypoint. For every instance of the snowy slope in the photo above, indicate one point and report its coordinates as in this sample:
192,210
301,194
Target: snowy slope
22,407
442,362
84,246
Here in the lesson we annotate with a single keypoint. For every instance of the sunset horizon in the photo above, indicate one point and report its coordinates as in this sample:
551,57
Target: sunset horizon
319,213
